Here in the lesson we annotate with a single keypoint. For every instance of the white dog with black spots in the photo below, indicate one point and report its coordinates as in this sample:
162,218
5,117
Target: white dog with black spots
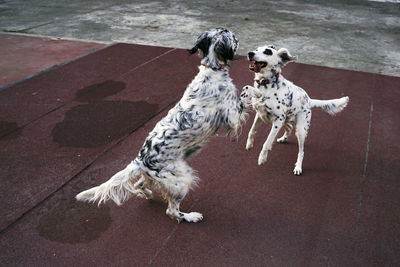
280,102
209,104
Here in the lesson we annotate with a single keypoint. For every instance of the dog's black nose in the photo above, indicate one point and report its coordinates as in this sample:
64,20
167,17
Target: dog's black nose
251,55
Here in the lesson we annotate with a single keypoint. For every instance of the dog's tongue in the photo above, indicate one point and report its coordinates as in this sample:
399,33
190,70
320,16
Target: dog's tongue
256,67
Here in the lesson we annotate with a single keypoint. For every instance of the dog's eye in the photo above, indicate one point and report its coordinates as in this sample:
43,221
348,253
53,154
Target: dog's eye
267,52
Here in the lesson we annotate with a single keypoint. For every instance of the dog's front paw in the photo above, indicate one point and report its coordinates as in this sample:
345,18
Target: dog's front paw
245,97
262,158
282,140
251,91
245,92
249,143
246,87
297,171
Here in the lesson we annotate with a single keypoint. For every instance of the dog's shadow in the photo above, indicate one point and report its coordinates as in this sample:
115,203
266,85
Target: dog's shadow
74,222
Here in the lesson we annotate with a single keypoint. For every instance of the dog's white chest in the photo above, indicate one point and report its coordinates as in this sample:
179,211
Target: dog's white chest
271,103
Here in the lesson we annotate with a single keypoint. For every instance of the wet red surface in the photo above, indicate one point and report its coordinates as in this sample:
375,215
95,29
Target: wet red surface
64,140
343,211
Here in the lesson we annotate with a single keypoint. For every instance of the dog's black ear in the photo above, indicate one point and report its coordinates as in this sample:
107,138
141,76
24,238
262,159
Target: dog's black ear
285,56
203,43
223,49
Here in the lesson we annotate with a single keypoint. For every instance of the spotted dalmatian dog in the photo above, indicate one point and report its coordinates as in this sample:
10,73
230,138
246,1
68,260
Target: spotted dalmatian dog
280,102
209,104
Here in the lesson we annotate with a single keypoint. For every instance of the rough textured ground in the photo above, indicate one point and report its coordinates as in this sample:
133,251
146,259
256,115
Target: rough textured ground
87,111
358,35
73,126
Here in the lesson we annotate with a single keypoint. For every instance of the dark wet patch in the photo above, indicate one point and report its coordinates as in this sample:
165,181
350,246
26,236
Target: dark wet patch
9,130
97,92
98,123
74,222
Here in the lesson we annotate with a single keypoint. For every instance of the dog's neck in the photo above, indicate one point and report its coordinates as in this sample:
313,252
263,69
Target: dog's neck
222,67
263,81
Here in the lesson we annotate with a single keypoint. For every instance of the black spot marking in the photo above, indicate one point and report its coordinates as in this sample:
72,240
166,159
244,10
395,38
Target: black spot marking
185,120
158,146
268,52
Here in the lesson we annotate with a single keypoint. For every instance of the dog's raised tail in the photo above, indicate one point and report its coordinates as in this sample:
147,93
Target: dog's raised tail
118,188
332,106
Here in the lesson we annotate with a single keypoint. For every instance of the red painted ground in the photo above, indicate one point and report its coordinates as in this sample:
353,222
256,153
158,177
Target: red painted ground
74,126
21,56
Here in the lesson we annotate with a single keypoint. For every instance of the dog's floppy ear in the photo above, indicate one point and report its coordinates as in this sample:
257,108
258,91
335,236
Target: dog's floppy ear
285,56
223,49
203,43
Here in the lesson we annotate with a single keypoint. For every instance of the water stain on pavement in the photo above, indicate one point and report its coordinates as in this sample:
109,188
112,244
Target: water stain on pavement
98,123
74,222
9,130
99,91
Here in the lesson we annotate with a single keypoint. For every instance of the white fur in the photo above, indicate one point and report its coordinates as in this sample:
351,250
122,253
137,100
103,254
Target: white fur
210,103
280,102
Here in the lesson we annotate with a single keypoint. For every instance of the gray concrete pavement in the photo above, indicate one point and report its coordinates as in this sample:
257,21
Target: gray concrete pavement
358,35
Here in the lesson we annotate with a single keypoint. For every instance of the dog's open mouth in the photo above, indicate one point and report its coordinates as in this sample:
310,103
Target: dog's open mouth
256,66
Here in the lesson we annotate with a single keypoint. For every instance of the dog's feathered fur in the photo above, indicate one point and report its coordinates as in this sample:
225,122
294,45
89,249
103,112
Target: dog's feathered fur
280,102
209,103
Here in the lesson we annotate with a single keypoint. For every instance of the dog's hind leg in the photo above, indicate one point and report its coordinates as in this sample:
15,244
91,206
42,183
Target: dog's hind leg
174,213
302,126
252,132
288,130
175,185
